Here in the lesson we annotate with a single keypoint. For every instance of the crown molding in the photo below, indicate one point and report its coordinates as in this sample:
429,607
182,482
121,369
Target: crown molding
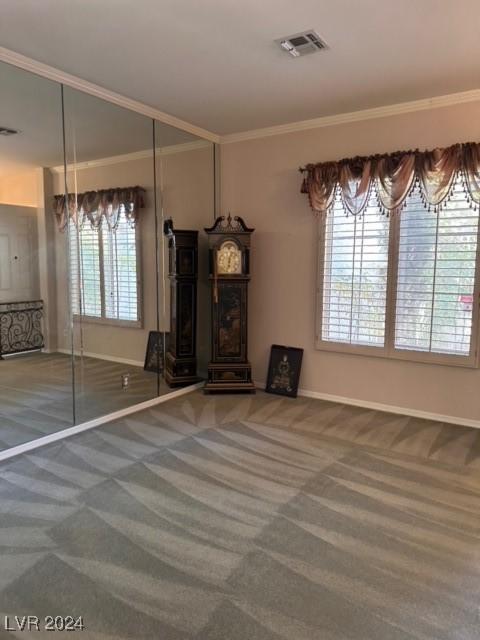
44,70
356,116
51,73
135,155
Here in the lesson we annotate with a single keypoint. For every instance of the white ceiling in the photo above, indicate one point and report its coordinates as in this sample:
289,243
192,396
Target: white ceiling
213,62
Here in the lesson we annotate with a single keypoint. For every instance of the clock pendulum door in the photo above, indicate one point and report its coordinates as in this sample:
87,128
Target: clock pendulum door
229,274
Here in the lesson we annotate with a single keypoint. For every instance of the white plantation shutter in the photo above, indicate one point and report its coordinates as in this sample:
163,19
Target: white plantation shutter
436,276
414,293
104,272
355,277
85,271
120,269
74,268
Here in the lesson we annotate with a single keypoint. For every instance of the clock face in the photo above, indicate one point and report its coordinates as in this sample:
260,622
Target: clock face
229,258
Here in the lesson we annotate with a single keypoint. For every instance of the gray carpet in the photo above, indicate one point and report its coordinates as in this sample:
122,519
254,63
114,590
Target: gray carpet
248,518
36,393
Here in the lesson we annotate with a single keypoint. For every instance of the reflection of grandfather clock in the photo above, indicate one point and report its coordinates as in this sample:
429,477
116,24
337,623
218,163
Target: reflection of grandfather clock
229,266
181,361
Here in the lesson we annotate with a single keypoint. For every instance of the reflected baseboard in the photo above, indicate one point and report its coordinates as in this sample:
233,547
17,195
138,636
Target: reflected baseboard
101,356
96,422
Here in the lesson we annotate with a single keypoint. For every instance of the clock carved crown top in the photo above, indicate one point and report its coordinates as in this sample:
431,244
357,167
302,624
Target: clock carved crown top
229,225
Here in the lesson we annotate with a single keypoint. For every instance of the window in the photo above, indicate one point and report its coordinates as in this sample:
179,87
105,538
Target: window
401,286
105,272
436,277
355,277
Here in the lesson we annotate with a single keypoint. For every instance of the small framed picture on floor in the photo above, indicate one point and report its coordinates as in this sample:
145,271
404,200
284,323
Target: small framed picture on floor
284,370
156,348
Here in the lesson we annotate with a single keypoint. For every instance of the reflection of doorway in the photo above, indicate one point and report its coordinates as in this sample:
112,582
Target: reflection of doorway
18,240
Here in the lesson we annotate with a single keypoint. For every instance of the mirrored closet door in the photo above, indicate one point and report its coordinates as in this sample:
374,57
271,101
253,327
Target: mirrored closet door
110,222
185,182
36,368
86,308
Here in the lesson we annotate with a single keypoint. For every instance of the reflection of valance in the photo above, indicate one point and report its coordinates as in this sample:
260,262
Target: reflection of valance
95,206
391,177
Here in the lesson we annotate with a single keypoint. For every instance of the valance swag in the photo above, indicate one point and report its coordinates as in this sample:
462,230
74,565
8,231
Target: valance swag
95,206
392,177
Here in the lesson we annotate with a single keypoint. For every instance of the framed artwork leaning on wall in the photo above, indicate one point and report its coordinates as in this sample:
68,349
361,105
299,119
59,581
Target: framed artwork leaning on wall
284,370
155,353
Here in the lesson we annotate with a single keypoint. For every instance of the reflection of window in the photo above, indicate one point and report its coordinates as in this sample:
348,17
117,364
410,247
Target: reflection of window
105,272
402,286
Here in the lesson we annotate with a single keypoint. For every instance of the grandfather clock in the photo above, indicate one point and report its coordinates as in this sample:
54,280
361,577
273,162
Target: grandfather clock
181,360
229,274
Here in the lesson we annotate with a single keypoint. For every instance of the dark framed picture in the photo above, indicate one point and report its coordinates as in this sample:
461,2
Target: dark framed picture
157,346
284,370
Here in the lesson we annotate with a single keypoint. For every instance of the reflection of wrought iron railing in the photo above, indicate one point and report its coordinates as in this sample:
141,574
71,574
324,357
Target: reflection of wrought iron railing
20,326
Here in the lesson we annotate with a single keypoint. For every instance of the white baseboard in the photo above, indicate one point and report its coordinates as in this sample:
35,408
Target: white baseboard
85,426
387,408
102,356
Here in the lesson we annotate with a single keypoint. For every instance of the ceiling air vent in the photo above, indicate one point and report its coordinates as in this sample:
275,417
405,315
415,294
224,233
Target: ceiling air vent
4,131
302,44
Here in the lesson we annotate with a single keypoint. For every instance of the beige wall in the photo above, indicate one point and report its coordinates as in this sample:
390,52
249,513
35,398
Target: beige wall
19,189
260,181
187,179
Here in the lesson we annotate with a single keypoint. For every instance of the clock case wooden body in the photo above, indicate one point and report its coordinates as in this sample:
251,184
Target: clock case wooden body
181,356
229,369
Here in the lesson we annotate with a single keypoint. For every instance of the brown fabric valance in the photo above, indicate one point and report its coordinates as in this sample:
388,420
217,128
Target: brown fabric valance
391,177
95,206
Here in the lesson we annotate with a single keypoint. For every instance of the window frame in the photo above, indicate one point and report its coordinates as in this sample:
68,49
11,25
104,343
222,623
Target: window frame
389,350
103,320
